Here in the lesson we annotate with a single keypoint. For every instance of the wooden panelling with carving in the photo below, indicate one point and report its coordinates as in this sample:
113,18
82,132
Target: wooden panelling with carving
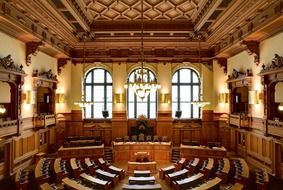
164,124
259,151
119,124
24,148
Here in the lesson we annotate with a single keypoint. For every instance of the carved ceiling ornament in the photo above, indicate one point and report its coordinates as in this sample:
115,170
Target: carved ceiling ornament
8,64
276,63
253,49
32,48
222,62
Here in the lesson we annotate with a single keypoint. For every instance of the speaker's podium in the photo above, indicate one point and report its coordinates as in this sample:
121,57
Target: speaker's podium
142,157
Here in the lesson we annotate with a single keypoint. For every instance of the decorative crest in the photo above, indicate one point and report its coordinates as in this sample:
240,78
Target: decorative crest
8,63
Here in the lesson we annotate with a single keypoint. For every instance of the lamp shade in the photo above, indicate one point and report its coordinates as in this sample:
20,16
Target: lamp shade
253,97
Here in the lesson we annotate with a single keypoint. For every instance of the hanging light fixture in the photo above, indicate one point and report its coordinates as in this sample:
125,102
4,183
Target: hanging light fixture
143,83
200,102
83,103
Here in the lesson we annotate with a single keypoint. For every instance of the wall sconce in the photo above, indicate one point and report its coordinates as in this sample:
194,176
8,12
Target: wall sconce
280,107
118,98
253,97
29,97
165,98
2,109
60,98
223,97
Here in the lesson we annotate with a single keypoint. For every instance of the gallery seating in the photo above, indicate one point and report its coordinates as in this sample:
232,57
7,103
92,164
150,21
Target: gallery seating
43,170
60,169
76,167
180,164
103,164
91,167
223,169
72,184
241,171
104,175
213,184
207,167
192,166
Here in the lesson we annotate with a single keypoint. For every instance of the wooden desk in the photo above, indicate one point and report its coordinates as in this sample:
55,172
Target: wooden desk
103,164
97,183
180,164
208,168
125,151
167,170
142,180
176,176
117,171
245,172
83,151
91,167
60,174
188,182
205,152
211,184
223,174
236,186
107,176
73,184
151,166
77,170
39,174
21,179
141,173
142,187
45,186
192,167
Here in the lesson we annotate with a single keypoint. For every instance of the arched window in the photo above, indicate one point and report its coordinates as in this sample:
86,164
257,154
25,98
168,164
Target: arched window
136,106
185,89
98,88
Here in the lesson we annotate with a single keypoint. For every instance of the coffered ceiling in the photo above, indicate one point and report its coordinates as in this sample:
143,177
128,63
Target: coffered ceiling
174,30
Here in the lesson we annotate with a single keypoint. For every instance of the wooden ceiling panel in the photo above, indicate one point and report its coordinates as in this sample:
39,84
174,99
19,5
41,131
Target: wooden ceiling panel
131,9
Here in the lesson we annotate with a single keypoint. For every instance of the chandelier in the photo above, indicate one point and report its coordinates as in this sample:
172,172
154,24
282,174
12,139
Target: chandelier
142,83
200,102
83,103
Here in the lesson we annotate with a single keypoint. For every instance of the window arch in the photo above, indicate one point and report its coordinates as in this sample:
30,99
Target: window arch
98,89
185,89
135,105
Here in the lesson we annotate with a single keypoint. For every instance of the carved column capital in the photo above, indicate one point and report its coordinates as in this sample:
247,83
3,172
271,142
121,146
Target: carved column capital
32,48
252,48
60,64
222,62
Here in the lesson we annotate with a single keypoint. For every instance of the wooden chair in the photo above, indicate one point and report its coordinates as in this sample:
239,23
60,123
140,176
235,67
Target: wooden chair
134,138
141,137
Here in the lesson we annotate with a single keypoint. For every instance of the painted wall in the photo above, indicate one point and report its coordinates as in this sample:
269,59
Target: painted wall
219,86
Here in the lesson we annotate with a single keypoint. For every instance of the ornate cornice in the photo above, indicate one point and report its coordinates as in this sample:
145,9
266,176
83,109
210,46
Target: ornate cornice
133,55
235,75
22,22
32,48
248,29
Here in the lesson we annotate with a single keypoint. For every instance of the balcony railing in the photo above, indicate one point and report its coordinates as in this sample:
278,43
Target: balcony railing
8,128
43,121
275,128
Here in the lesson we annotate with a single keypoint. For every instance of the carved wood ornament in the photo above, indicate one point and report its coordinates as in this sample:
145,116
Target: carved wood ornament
253,49
32,48
222,61
61,62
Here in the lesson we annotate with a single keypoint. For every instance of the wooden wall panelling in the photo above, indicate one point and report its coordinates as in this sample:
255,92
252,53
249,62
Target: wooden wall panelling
24,148
119,124
210,129
164,124
74,123
176,135
99,128
224,135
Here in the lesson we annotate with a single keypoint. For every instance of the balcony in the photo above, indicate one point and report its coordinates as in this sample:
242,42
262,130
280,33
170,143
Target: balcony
275,128
241,121
44,121
9,127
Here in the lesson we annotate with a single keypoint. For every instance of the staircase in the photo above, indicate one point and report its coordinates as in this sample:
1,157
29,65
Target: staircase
175,154
108,155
